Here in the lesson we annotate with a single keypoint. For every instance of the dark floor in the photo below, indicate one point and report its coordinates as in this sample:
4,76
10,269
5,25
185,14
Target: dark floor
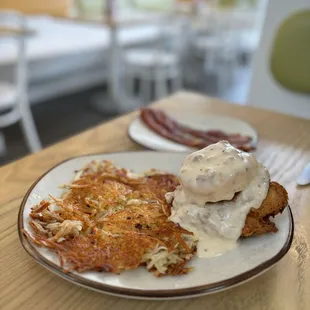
55,120
60,118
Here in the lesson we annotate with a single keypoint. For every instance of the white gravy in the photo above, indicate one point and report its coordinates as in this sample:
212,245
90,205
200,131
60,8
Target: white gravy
205,203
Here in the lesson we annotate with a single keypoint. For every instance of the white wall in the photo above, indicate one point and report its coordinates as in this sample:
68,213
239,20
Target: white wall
265,91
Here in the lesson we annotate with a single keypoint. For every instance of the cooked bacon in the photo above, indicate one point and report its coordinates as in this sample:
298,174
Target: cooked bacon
165,126
149,119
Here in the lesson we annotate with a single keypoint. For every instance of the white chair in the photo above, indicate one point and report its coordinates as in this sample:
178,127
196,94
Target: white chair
157,65
219,47
14,105
264,91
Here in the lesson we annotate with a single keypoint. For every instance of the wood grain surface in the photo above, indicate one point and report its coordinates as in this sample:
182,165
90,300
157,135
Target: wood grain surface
284,147
11,31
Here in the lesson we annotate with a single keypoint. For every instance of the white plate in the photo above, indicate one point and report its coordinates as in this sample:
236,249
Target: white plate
252,257
143,135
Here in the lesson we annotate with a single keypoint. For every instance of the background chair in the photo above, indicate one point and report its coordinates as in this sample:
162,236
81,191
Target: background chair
290,57
14,105
279,30
219,47
226,37
157,64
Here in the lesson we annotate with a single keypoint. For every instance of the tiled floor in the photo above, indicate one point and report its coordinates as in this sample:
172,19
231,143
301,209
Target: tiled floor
63,117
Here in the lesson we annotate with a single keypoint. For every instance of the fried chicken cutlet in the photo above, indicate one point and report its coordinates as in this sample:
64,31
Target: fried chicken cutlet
258,220
224,194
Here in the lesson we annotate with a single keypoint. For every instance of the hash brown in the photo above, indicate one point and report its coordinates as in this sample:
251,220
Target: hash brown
110,220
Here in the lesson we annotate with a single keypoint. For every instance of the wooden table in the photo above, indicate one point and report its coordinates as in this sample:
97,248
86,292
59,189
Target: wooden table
284,147
11,31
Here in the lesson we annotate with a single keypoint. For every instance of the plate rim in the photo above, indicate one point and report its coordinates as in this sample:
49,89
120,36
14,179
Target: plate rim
132,138
137,293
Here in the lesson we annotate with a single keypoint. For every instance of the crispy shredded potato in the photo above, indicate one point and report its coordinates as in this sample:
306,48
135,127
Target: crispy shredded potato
110,219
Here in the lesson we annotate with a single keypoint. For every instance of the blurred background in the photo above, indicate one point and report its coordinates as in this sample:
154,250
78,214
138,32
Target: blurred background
67,65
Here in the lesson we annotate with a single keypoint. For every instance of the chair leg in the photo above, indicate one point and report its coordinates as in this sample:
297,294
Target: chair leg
130,83
209,62
161,88
29,131
176,83
3,148
145,90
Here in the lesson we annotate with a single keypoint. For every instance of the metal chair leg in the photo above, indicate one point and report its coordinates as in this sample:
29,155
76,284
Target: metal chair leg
3,149
130,84
176,83
146,90
161,88
29,131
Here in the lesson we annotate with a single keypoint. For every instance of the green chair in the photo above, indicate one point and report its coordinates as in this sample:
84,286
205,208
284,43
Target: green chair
227,3
281,66
154,5
290,55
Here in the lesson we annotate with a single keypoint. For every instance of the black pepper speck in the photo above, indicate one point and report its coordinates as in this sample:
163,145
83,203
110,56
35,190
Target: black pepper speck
138,226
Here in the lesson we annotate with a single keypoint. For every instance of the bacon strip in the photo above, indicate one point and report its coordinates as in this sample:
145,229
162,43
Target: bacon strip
165,126
150,120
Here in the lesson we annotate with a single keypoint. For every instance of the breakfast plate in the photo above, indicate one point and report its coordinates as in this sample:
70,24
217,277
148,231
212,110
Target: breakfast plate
143,135
252,257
